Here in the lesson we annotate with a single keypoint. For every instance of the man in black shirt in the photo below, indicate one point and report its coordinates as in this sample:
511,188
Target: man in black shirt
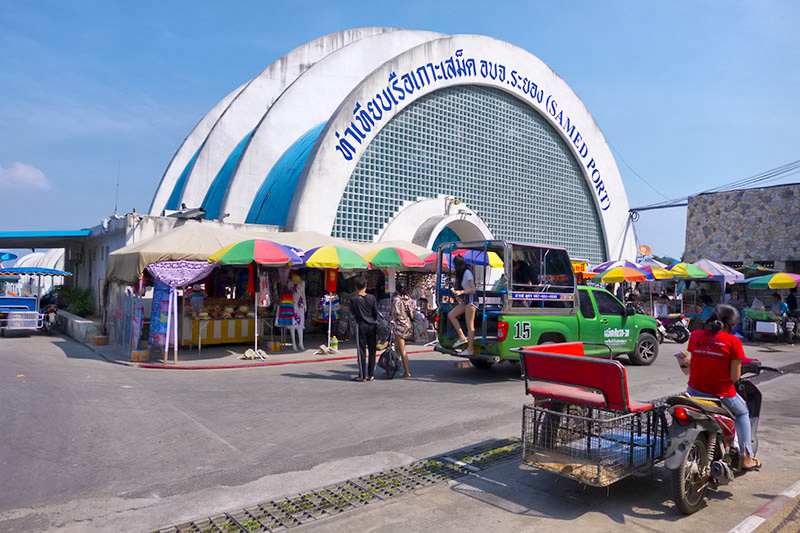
791,301
364,309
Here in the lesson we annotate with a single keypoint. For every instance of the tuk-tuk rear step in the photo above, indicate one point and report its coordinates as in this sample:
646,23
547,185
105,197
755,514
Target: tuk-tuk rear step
293,511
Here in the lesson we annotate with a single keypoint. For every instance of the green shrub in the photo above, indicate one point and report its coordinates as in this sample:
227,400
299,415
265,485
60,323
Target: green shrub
78,301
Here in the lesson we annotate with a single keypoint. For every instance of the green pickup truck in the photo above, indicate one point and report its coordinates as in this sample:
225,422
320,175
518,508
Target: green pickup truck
527,295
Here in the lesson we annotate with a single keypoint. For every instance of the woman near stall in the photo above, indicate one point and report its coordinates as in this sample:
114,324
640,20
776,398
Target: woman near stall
465,289
403,311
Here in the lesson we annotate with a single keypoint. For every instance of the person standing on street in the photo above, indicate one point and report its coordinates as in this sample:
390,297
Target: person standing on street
364,309
791,301
402,323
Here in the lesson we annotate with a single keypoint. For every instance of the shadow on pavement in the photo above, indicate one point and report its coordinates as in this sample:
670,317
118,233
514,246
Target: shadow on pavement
518,489
429,370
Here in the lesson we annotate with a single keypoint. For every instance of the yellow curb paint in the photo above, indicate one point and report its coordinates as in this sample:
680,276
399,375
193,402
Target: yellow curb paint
20,375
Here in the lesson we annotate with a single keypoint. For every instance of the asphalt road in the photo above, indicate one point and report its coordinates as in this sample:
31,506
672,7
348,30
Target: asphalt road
91,446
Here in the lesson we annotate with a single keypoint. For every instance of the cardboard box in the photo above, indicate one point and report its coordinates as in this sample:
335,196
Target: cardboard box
100,340
140,356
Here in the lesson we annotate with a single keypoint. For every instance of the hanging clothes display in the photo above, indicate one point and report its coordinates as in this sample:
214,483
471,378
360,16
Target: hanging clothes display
264,298
298,289
330,302
285,316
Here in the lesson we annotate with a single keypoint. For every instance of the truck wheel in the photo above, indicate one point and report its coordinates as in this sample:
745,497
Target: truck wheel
646,350
479,363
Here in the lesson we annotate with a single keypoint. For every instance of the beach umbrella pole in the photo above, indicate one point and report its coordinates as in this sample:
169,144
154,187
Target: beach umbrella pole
175,328
169,323
330,318
255,321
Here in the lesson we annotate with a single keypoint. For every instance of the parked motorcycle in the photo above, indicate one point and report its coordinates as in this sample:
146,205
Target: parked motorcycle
791,323
674,327
702,452
49,319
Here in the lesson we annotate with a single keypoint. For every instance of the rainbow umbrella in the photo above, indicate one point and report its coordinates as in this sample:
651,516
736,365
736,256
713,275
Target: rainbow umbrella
756,270
688,271
394,257
334,257
779,280
479,257
620,274
262,252
657,272
608,265
258,251
430,260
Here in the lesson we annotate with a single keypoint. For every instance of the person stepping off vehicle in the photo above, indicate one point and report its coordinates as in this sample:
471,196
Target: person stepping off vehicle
465,290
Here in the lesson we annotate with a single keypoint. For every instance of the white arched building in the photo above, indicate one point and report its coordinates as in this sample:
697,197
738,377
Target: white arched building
380,134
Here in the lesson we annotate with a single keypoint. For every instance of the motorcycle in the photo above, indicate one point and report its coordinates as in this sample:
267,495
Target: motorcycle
702,451
674,327
49,319
790,325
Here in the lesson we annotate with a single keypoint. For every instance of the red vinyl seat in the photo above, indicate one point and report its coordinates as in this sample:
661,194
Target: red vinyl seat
560,372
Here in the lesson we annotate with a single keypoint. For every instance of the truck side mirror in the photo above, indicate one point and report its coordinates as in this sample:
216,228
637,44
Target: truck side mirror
630,310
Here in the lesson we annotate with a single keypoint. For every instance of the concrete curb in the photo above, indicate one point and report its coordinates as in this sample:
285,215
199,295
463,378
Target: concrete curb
255,365
228,367
779,502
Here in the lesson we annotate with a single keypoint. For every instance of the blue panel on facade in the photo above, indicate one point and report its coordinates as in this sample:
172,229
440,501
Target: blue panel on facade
174,201
274,197
216,192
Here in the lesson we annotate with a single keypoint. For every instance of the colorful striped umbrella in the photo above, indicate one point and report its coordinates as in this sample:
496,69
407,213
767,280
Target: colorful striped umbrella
430,260
779,280
334,257
258,251
608,265
688,271
756,270
478,257
393,257
657,272
620,274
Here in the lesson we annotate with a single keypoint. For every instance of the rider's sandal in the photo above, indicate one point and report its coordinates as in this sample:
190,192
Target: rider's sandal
755,467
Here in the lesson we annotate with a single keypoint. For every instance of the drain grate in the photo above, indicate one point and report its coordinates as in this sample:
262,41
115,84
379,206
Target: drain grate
286,513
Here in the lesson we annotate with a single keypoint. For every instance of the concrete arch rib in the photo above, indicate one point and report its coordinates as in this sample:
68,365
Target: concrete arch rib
186,152
254,101
309,101
447,62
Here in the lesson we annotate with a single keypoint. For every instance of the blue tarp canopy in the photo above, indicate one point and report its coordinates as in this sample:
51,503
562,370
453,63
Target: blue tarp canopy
32,271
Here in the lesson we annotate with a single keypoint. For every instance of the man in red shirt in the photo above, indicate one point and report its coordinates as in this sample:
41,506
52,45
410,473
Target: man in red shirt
714,367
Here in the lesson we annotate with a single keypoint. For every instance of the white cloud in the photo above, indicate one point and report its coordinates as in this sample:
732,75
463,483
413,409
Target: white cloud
20,175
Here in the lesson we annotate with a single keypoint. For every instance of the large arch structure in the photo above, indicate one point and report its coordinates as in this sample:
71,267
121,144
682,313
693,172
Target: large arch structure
391,119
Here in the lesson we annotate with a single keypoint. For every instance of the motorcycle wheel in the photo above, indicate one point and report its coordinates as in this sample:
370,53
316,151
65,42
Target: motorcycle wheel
681,336
660,338
689,482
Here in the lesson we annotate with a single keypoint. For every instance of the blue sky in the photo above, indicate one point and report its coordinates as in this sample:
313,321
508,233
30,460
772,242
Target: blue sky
691,95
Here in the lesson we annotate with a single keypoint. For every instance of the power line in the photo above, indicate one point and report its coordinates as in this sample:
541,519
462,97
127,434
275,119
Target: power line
783,171
636,173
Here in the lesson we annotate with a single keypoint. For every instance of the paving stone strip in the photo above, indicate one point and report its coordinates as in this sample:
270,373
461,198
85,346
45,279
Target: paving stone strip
286,513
